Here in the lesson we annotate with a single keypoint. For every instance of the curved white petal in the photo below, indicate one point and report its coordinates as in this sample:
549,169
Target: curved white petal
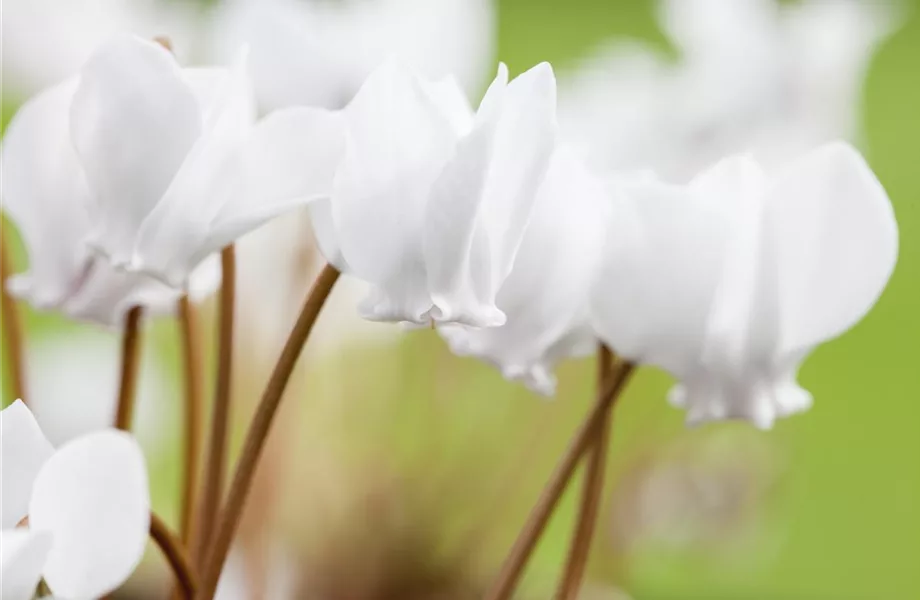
482,202
22,558
398,141
290,159
174,236
659,274
459,275
23,451
134,120
45,195
92,496
833,232
545,297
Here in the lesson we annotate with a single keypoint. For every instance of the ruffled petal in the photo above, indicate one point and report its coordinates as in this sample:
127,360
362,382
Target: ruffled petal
134,120
92,497
173,237
23,451
833,232
398,142
22,557
546,294
45,194
459,275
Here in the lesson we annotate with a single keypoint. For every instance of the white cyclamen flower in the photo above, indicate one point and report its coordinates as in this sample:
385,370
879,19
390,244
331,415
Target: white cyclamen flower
319,53
45,194
545,297
430,201
175,166
88,509
730,282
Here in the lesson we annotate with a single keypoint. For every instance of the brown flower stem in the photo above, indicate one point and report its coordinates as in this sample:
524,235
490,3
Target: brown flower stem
259,430
591,493
524,546
130,365
220,418
12,326
191,350
176,556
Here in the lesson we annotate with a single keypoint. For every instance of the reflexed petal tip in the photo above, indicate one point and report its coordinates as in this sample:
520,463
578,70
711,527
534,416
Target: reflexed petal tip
23,451
92,496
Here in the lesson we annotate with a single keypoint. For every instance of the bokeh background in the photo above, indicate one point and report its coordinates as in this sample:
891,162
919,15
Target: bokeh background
397,470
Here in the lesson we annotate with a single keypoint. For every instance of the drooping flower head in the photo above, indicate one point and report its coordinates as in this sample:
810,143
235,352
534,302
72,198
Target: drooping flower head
545,296
430,201
46,195
729,282
88,509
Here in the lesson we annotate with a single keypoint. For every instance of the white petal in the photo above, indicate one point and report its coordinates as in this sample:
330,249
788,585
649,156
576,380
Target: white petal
659,274
398,143
92,496
23,451
134,119
45,195
546,294
459,274
453,103
174,237
835,238
524,143
22,557
327,238
290,159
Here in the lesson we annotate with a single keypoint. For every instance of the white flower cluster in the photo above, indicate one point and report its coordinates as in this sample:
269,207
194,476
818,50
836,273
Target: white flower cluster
126,178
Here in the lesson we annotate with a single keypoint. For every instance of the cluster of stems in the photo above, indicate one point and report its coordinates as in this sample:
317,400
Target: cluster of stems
210,517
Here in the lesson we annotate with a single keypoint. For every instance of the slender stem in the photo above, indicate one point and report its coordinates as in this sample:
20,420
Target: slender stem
191,349
259,430
12,326
175,555
220,418
591,493
130,363
524,546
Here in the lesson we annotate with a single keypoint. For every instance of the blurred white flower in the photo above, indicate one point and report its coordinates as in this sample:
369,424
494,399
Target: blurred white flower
430,202
45,194
545,297
88,507
731,281
46,41
319,53
752,76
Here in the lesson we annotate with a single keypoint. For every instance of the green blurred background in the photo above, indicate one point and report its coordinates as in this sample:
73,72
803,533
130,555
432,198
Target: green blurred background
824,506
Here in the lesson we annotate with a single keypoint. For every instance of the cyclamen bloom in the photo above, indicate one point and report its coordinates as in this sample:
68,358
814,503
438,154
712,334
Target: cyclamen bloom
545,297
430,201
731,281
45,194
88,509
174,164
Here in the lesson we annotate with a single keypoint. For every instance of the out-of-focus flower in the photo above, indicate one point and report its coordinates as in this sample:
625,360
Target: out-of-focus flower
47,41
731,281
88,509
319,53
752,76
45,194
545,297
430,202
